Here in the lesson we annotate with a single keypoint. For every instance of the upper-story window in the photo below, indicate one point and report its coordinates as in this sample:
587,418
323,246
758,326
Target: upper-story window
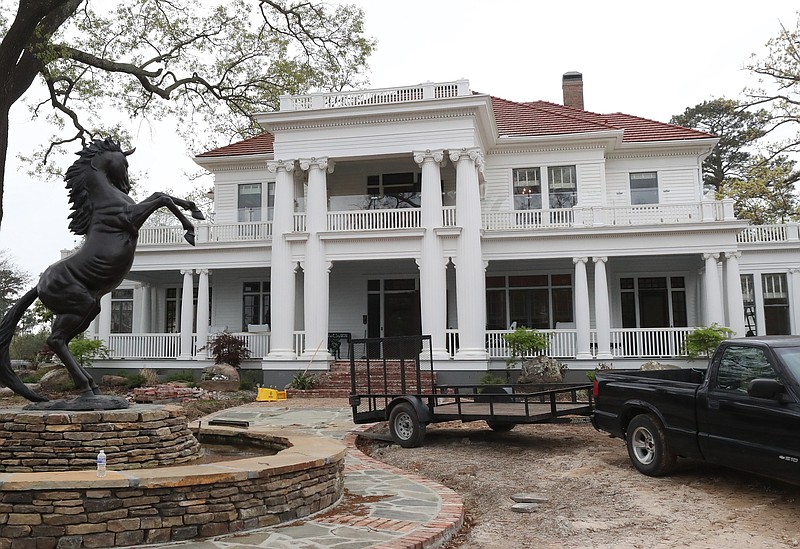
394,190
249,202
558,190
644,188
527,189
562,186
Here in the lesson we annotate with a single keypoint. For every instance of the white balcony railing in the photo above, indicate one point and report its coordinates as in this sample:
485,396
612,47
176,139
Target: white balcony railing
769,233
528,219
402,94
144,345
362,220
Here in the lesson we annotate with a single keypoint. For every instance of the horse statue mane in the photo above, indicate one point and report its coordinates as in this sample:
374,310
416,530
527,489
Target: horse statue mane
77,176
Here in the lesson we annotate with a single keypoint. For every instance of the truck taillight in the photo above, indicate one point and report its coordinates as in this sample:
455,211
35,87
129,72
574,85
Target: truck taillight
595,388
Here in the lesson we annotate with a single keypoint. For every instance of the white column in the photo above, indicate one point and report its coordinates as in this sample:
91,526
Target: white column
432,264
145,322
203,319
104,319
316,268
733,294
470,275
713,295
602,309
758,294
187,315
794,300
582,324
282,272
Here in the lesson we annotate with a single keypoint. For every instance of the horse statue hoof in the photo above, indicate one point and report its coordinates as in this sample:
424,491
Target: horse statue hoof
189,236
197,214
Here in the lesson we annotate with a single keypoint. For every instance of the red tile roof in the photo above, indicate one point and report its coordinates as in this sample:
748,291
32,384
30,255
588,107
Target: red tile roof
260,144
529,119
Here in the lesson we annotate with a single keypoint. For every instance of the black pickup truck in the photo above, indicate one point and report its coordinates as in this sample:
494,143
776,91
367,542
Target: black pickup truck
742,412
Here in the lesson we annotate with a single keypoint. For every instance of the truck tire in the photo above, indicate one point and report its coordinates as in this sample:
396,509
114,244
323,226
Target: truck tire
405,427
647,446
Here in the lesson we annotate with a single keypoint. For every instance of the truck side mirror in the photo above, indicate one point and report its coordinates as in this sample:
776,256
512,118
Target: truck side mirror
766,388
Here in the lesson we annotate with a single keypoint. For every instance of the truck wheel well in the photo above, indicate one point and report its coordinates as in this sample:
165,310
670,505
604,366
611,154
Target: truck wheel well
629,414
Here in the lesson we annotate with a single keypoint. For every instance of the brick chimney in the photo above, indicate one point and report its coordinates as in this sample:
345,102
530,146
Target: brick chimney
572,86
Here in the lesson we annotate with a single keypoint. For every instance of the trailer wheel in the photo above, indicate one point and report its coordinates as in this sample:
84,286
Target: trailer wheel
647,446
405,427
499,427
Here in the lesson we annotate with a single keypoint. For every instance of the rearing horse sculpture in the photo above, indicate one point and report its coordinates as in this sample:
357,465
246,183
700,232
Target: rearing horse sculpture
71,288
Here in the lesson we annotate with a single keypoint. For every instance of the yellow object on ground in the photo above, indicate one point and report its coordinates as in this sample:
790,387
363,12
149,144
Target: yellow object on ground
269,395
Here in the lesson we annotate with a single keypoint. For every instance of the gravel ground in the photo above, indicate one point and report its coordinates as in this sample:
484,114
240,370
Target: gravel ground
595,498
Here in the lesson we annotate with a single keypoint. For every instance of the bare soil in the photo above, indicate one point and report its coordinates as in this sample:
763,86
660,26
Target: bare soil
595,498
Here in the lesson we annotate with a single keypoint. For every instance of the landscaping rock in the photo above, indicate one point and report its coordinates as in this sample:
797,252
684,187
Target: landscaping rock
524,507
220,377
656,365
542,369
57,380
114,381
527,497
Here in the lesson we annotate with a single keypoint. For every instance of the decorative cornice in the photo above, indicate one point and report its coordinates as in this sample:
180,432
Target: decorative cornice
285,165
372,119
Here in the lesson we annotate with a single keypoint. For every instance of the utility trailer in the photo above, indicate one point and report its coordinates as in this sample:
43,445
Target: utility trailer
392,379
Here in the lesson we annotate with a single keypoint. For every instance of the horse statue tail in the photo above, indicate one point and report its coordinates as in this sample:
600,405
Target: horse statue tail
7,326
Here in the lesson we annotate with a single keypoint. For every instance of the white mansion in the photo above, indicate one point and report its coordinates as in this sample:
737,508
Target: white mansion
434,209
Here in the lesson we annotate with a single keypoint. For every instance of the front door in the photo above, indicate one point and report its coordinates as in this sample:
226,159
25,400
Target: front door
393,308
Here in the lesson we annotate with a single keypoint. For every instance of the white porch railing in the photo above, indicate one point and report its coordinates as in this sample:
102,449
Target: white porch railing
362,220
649,214
234,232
144,345
300,222
428,90
449,216
769,233
527,219
161,235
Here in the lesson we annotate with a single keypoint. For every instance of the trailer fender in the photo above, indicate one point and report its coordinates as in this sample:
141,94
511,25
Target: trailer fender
422,411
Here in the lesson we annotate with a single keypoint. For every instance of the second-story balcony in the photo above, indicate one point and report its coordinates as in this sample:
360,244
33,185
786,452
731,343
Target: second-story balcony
360,220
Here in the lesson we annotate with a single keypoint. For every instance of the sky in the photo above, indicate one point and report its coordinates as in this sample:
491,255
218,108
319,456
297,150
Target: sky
649,59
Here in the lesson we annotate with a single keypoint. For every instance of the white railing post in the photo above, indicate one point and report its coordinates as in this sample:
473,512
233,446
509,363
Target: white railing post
727,209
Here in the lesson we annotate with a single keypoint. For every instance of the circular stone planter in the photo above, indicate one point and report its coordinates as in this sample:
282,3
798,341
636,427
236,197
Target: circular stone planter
160,505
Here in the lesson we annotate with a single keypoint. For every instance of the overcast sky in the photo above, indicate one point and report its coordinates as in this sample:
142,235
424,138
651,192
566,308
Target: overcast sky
650,59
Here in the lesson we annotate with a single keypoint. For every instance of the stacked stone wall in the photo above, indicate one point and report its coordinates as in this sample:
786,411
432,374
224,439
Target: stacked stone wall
135,438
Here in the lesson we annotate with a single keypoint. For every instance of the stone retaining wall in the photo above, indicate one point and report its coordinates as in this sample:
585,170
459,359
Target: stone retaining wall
134,438
76,510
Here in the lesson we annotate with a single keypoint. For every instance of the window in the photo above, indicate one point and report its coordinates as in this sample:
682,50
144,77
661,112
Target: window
644,188
255,303
749,298
562,186
394,190
776,304
740,365
533,301
250,202
527,189
173,309
122,311
653,302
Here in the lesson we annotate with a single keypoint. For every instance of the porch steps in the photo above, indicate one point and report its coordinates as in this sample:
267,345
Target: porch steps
336,382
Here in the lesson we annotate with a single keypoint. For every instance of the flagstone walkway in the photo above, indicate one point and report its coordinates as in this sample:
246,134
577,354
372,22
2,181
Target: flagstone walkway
383,507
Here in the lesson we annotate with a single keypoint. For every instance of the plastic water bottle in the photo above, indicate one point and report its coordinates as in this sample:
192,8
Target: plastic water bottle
101,464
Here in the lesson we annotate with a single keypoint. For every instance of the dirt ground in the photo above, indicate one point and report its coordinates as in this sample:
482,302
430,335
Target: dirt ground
595,498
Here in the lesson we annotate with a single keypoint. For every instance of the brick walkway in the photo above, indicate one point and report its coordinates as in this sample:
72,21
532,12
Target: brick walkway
383,507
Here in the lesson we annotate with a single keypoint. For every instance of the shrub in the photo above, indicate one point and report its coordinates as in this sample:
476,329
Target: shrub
180,376
248,380
491,379
86,350
303,381
705,340
228,349
150,377
28,346
591,374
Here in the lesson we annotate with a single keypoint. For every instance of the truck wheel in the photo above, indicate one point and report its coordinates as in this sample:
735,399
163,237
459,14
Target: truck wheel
647,446
500,427
405,427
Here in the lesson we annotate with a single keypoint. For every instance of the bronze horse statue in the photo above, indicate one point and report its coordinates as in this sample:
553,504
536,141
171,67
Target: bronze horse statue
71,288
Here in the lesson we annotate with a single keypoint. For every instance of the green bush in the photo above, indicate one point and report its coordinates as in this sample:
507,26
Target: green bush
705,340
492,379
28,346
87,351
303,381
248,380
180,377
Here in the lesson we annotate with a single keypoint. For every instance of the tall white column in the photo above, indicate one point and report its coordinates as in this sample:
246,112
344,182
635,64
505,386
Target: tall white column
282,273
758,294
470,269
733,294
712,301
203,318
143,321
582,324
602,309
432,264
187,315
794,302
104,319
316,268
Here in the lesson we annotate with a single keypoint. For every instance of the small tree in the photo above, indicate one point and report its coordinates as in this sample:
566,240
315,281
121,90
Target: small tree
523,343
228,349
86,350
705,340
